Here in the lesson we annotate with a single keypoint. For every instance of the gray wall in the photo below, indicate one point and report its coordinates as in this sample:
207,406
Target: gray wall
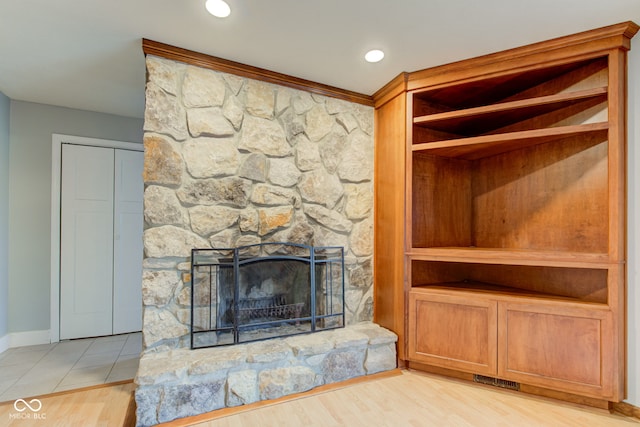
4,212
31,127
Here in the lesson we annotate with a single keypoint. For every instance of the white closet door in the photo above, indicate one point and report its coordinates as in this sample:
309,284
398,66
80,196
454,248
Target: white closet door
127,253
86,252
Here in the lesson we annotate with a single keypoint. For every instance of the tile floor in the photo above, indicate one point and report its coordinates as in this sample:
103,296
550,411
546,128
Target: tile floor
48,368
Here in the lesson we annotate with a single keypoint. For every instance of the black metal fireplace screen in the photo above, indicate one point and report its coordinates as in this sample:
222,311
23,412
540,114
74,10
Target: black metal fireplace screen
263,291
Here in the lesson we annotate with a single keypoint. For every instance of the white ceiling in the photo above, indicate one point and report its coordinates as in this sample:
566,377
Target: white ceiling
87,54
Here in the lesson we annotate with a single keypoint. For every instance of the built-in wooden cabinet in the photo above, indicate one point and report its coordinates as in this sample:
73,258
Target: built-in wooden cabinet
512,211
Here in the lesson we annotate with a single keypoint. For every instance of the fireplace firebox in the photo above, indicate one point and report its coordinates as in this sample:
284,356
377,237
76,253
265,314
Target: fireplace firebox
263,291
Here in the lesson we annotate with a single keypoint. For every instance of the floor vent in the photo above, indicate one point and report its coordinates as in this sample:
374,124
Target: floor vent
497,382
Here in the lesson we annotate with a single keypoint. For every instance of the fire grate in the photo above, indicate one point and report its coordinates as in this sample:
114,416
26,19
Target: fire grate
274,307
264,291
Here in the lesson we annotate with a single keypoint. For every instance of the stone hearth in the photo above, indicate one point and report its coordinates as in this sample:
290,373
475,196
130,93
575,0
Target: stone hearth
181,383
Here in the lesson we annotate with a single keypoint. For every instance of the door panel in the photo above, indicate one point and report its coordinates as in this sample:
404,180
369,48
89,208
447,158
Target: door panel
128,248
564,348
454,332
86,273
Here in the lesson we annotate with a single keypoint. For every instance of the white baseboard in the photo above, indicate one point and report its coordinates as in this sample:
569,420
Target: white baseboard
22,339
4,343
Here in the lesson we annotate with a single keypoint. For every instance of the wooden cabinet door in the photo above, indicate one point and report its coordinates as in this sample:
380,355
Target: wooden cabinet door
562,347
453,331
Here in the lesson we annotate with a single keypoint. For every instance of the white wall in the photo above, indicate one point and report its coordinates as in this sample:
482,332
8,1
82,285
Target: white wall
31,129
633,323
4,215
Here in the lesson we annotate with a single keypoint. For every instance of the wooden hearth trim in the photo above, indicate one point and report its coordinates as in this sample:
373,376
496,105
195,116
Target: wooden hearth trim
627,409
225,412
150,47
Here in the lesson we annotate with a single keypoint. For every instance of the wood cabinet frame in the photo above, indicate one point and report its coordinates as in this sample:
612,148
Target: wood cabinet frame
446,137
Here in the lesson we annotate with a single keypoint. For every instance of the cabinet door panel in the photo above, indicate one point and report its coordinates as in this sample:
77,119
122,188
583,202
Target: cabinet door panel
564,348
454,332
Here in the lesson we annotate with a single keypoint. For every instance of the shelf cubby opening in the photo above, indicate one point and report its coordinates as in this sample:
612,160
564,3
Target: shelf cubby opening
546,197
587,285
484,146
518,85
563,95
558,110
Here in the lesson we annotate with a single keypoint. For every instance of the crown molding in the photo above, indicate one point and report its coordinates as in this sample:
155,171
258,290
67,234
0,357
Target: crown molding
150,47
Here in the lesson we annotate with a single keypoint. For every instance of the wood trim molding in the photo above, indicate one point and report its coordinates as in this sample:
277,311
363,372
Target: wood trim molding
225,412
392,89
81,389
150,47
585,44
612,36
627,409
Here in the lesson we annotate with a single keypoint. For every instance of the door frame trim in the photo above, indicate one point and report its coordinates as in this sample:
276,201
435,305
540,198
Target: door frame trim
56,170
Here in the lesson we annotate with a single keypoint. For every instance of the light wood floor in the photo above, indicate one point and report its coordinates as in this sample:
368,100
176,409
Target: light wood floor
105,406
418,399
409,399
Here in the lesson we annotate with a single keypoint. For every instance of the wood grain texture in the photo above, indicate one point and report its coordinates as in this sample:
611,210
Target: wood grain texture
515,196
524,388
617,297
618,206
478,147
582,45
470,120
327,388
396,87
512,257
389,177
558,346
418,399
150,47
394,399
453,331
626,409
441,201
106,406
579,284
545,197
617,155
513,85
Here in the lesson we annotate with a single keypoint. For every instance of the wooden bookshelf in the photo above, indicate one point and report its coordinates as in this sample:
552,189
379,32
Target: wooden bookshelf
512,213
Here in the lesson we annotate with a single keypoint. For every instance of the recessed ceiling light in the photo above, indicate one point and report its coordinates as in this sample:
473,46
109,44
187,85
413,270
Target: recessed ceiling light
374,55
218,8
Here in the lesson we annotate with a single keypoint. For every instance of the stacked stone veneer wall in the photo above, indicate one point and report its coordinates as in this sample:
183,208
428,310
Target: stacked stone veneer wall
231,161
181,383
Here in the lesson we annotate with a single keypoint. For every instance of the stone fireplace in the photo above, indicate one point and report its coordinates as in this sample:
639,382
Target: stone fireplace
235,162
231,161
258,292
